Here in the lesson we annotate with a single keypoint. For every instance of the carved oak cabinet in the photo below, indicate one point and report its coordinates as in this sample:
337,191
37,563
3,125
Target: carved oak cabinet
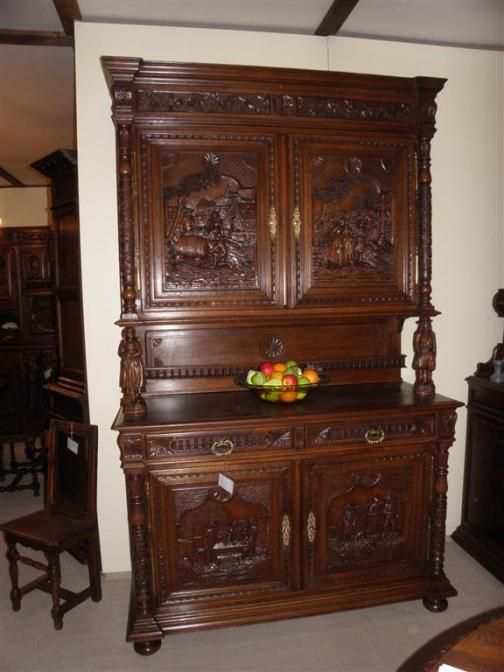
276,214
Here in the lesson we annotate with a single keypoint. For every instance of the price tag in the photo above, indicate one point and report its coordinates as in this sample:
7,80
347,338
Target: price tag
226,483
47,373
72,445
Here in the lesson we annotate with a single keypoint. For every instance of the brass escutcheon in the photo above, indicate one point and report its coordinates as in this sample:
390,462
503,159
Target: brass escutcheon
311,527
286,530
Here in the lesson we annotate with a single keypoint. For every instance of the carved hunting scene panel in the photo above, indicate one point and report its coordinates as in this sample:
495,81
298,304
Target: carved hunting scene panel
207,220
354,200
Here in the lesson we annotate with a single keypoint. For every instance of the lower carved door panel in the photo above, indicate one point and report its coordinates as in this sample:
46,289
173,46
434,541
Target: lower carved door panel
213,539
366,519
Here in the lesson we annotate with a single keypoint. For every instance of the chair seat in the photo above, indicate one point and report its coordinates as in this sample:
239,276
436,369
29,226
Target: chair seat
48,529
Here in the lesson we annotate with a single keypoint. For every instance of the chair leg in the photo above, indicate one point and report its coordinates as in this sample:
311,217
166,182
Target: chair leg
94,567
2,468
31,458
54,573
12,557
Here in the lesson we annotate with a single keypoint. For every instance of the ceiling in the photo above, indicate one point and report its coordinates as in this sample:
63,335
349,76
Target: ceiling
40,118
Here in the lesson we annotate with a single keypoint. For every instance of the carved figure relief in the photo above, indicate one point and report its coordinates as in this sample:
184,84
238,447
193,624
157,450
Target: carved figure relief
352,213
210,219
364,532
225,537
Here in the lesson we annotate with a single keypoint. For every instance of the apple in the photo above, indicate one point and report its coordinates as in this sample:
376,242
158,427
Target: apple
258,378
303,387
290,362
250,374
266,368
274,387
290,379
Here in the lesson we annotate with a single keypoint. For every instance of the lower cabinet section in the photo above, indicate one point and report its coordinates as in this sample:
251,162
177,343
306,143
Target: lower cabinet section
222,537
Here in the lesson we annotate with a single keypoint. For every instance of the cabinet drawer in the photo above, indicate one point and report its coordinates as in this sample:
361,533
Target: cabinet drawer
218,444
373,430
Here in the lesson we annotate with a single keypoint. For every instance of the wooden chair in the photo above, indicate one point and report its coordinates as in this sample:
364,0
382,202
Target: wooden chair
67,522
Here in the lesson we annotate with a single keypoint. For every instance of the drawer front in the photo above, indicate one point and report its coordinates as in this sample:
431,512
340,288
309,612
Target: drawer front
218,444
372,430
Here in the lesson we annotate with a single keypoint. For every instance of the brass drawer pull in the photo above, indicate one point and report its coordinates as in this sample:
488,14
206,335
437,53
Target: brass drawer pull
286,530
222,447
374,435
296,222
311,527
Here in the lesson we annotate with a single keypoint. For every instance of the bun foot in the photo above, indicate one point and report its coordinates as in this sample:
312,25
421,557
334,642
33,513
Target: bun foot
147,648
436,604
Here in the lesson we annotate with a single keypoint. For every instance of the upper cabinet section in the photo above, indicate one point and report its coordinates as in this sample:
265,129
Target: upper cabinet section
246,189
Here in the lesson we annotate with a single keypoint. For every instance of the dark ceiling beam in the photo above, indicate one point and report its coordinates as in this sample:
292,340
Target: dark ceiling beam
10,178
335,17
68,12
35,38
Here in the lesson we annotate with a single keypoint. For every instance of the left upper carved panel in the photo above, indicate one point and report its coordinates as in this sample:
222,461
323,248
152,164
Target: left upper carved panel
206,221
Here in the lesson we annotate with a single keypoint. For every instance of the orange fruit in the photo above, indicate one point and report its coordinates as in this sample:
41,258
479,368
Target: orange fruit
279,366
278,375
312,375
288,396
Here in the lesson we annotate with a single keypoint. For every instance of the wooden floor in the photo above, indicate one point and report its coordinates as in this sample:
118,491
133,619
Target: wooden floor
378,639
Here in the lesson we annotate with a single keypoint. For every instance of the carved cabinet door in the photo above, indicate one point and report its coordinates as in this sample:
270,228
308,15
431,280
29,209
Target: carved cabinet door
352,221
366,519
214,538
207,220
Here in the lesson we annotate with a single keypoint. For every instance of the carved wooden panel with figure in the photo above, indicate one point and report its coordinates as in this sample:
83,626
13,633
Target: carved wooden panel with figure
208,221
212,536
356,220
368,513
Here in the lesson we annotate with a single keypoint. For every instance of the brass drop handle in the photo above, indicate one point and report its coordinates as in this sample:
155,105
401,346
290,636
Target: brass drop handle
286,531
374,435
222,447
311,527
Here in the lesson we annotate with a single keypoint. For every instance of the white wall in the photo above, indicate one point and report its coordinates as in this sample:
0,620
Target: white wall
24,206
468,207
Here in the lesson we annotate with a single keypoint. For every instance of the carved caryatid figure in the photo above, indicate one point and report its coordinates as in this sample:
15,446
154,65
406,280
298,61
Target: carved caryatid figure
132,376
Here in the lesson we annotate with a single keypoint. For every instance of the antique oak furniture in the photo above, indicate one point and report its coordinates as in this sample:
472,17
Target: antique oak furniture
68,392
28,351
269,214
68,520
481,532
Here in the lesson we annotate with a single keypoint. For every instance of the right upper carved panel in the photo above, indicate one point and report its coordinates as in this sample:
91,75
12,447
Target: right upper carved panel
353,229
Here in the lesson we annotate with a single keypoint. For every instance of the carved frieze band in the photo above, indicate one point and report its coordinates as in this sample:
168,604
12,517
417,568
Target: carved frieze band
216,102
158,446
330,434
161,372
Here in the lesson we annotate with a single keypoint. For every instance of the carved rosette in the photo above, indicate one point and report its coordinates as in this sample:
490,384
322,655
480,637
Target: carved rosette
126,230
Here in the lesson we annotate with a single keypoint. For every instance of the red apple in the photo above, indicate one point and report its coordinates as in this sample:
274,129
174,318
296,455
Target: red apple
290,379
266,368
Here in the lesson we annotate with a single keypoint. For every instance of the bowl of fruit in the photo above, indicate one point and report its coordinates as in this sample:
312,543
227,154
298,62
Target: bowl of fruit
281,382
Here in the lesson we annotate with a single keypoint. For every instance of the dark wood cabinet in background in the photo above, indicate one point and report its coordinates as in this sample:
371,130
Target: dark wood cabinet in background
68,393
481,532
269,214
28,328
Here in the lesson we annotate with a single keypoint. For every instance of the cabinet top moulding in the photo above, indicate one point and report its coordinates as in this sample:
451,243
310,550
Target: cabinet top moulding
410,101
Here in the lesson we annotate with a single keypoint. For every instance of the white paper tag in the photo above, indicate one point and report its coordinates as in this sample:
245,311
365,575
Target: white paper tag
226,483
449,668
72,445
47,373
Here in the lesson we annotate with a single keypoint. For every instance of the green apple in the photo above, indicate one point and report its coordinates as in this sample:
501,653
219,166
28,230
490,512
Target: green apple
303,388
290,362
250,374
274,387
258,378
294,370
